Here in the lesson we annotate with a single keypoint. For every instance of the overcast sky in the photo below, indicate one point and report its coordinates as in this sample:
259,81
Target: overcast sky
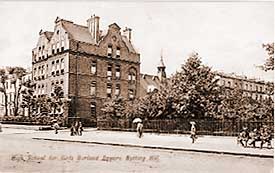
227,35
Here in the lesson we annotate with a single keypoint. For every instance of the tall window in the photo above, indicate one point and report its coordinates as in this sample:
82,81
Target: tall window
57,47
117,71
93,109
53,49
117,91
109,51
109,90
261,89
109,72
57,64
118,52
93,67
62,45
131,94
93,88
53,66
62,63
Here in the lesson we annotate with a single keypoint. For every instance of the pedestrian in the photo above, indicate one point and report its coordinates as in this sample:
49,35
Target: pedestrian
243,137
193,131
255,136
266,137
76,126
1,127
72,130
80,129
139,129
56,127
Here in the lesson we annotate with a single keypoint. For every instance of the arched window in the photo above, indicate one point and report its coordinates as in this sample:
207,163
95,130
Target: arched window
132,75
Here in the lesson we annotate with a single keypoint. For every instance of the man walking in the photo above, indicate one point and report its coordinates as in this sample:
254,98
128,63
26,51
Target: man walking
139,129
193,131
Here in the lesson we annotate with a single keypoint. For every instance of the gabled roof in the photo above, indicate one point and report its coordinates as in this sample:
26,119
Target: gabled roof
146,80
115,26
48,34
78,32
128,44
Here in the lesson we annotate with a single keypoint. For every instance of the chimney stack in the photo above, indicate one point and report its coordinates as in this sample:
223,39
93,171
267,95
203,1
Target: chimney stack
128,33
93,27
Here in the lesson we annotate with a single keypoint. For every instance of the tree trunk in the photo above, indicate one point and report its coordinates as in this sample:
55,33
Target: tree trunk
6,103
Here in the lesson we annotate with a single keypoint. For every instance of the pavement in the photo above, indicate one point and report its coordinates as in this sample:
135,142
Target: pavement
176,142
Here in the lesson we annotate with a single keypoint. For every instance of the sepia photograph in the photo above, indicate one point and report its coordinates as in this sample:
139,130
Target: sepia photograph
137,86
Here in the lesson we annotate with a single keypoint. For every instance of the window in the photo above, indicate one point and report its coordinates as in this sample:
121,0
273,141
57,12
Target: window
256,88
261,89
132,77
93,109
34,71
109,51
117,91
131,94
246,86
250,87
57,47
62,63
93,67
61,82
117,71
53,49
229,84
109,72
57,32
151,88
53,66
109,90
62,45
93,88
118,52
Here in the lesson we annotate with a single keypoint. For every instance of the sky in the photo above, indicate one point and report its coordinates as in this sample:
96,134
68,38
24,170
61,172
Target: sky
227,35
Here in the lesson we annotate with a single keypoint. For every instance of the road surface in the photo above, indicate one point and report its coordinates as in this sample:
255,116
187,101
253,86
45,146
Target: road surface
20,153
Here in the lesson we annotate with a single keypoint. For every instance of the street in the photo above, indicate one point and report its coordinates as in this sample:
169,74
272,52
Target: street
21,153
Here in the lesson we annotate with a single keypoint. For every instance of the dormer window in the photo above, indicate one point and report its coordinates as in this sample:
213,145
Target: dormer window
118,52
109,51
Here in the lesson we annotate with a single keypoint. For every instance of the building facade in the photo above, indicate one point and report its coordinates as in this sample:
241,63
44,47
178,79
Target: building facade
256,89
90,66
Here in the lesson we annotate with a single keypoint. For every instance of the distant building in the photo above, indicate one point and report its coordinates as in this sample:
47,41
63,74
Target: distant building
257,89
90,66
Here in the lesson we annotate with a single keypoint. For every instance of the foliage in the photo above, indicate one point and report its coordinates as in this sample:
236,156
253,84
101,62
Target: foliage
28,99
114,108
269,63
16,80
195,90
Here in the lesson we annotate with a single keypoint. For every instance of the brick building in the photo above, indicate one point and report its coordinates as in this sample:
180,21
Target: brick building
90,66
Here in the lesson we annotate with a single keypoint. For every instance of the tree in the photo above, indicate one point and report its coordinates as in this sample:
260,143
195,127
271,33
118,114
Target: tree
55,100
114,108
28,99
3,79
269,63
195,90
17,74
